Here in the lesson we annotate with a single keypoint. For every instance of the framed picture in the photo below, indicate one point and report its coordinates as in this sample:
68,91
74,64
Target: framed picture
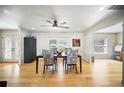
52,43
76,42
59,42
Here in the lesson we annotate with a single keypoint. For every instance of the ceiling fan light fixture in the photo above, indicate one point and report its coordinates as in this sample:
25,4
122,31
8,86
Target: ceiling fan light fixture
55,28
33,28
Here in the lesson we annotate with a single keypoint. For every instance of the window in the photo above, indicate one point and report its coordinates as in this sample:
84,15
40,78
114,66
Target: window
100,46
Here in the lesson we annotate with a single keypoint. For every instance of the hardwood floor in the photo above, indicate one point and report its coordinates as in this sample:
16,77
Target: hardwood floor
101,73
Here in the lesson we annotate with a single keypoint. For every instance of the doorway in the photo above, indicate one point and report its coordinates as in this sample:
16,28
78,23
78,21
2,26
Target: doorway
10,47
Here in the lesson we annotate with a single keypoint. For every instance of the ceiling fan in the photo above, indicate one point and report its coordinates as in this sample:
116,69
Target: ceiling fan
55,25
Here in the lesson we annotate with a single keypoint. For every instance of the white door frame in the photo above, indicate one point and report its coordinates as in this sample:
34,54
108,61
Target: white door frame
123,53
13,39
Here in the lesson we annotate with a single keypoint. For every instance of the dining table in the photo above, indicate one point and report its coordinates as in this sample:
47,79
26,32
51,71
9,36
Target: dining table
56,57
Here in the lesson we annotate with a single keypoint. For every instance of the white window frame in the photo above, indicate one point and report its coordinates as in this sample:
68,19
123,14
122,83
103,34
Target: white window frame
105,46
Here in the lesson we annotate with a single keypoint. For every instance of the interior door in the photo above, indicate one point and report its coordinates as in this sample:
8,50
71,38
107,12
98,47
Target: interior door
15,49
10,48
7,48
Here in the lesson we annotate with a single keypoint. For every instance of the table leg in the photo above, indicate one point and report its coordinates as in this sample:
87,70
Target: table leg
64,63
37,65
80,64
56,64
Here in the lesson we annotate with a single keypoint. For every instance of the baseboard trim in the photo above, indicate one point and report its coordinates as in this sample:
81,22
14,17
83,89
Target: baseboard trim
9,62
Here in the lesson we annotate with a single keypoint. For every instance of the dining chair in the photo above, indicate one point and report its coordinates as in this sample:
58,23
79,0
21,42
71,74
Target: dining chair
48,62
45,52
66,51
53,52
48,59
71,60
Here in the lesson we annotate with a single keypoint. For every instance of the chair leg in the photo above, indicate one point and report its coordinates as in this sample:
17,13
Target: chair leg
63,62
44,69
67,68
65,65
76,68
56,65
53,69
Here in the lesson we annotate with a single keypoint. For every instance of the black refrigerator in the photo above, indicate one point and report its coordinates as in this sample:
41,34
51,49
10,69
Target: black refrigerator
29,49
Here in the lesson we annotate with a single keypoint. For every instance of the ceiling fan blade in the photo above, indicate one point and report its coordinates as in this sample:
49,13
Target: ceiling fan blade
63,27
44,25
63,23
49,21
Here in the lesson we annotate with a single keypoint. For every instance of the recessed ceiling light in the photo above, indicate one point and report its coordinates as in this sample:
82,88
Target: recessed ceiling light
6,12
33,28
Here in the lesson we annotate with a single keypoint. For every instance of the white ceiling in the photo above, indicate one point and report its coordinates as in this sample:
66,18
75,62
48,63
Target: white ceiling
78,17
117,28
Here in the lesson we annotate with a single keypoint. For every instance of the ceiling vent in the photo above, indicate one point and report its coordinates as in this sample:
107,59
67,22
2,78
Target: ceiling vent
116,7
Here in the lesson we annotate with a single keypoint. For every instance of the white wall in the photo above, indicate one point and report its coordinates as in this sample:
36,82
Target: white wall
106,22
111,39
119,38
87,46
20,33
0,45
86,49
42,40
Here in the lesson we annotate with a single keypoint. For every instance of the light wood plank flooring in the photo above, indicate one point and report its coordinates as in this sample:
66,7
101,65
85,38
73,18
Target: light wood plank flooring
102,73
